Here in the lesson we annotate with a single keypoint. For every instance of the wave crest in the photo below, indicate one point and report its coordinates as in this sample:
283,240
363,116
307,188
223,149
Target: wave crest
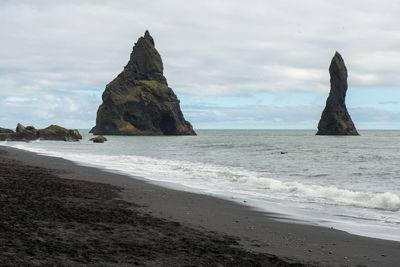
195,174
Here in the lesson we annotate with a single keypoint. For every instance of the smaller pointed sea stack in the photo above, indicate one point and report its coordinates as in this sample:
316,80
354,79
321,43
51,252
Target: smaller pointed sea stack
335,119
138,101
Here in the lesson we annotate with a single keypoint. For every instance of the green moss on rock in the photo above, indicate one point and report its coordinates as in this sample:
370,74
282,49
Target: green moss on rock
55,132
138,101
29,133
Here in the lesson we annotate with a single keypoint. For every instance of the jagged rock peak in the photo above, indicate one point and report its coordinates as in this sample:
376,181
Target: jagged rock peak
338,68
145,62
148,37
138,101
335,119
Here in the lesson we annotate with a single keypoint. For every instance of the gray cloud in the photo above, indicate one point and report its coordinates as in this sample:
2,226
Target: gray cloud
76,110
390,103
283,117
373,118
255,116
209,48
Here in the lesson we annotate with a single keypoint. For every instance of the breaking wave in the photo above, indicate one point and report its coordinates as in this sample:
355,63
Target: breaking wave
210,177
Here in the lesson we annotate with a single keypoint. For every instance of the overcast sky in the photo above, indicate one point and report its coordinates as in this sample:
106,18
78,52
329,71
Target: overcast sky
233,64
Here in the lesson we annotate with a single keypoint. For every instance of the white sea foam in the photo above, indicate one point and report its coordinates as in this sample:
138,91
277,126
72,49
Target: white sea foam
211,178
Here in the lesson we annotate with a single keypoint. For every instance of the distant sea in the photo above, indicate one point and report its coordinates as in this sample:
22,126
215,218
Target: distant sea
350,183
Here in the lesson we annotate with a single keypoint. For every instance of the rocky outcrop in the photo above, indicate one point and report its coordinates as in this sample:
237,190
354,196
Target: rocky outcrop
138,101
98,139
5,131
21,134
335,119
29,133
58,133
25,133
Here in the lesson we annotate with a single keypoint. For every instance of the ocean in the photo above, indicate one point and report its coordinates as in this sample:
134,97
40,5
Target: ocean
350,183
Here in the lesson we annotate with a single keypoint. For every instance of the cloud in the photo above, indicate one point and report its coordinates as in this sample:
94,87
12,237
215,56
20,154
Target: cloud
64,108
253,116
390,103
209,116
71,49
374,118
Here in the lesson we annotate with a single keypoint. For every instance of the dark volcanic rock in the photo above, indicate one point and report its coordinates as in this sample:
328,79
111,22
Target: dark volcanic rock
22,134
20,128
57,133
138,101
98,139
30,133
27,133
5,133
335,119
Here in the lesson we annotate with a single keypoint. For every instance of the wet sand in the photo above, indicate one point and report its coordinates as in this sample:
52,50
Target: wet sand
54,212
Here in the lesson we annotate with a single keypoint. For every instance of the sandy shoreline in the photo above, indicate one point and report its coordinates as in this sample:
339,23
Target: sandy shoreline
260,236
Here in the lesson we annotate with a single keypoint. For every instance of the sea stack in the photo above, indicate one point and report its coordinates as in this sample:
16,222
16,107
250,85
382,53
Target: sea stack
138,101
335,119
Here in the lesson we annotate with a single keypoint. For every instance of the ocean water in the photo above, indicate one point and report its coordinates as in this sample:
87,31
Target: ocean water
346,182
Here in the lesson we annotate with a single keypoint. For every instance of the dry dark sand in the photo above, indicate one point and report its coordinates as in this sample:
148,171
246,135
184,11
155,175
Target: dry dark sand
59,213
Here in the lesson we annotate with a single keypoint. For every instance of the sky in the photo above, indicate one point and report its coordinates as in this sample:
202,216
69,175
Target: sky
233,64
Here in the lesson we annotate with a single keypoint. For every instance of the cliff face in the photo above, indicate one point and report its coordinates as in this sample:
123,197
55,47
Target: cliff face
138,101
335,119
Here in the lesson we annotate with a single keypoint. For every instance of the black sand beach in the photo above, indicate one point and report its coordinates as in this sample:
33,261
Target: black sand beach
54,212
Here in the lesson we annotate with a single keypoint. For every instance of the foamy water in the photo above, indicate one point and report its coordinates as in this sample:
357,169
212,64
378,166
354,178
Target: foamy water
350,183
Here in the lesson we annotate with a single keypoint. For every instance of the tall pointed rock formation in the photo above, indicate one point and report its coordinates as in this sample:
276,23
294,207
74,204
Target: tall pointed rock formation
138,101
335,119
